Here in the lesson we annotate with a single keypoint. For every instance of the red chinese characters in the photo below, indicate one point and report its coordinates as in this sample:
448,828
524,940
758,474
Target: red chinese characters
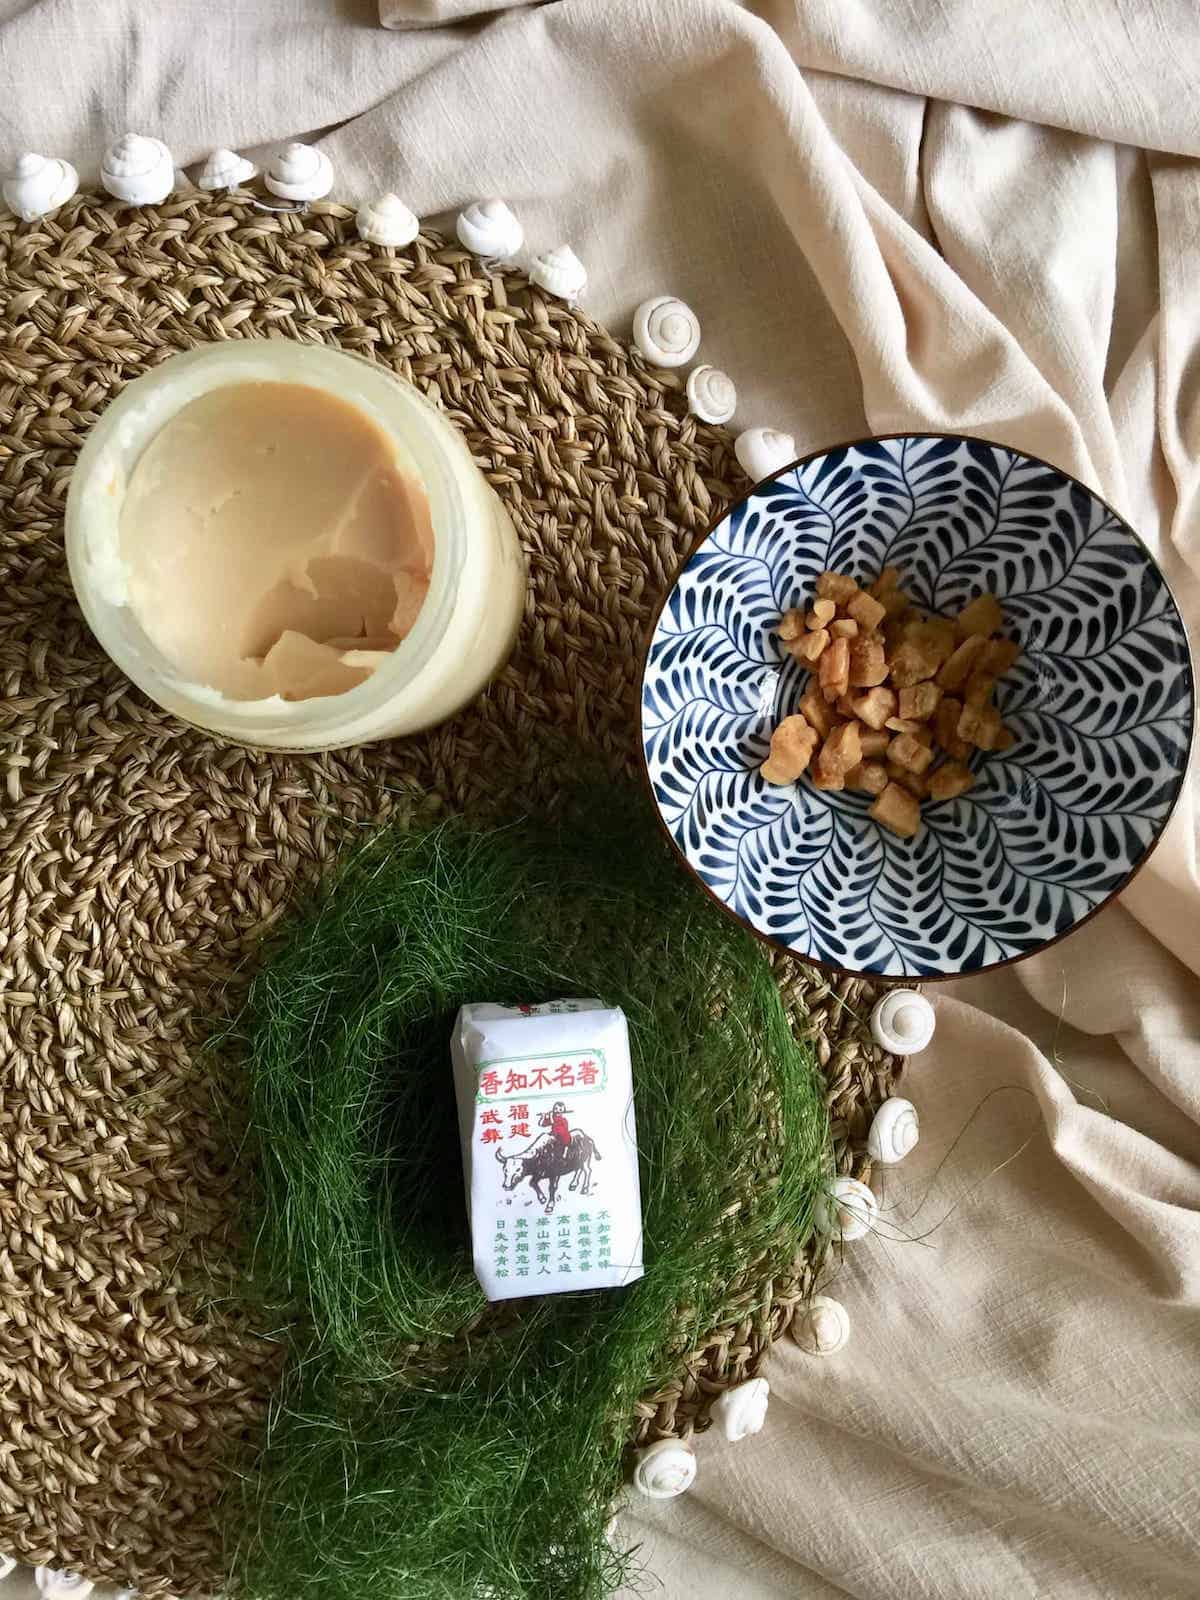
562,1077
503,1084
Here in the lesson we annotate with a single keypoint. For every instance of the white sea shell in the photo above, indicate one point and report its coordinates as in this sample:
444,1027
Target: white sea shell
711,394
895,1129
560,272
822,1327
7,1565
387,221
138,170
38,184
489,228
300,172
225,169
849,1210
762,452
54,1585
616,1507
742,1410
664,1470
903,1022
666,331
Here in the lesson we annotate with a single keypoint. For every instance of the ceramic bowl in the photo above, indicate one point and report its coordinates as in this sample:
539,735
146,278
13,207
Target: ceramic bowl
1100,701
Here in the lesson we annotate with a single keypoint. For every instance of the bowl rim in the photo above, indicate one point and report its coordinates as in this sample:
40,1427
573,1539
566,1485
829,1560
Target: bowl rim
891,979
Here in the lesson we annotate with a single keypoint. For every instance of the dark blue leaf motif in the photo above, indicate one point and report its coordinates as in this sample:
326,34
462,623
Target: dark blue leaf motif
1101,704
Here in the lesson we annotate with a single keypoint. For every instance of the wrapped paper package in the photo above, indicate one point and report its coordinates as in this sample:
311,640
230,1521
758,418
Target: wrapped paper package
549,1146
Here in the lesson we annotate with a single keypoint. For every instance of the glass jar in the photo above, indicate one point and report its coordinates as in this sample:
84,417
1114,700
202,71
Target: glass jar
465,629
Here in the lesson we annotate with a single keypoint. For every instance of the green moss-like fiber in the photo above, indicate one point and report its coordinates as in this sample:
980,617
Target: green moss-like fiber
423,1446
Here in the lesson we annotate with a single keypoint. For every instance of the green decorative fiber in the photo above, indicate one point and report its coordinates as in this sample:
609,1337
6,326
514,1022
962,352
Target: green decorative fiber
423,1445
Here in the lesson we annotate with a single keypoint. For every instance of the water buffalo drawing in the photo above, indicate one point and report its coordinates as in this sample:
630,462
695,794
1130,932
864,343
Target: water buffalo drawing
546,1162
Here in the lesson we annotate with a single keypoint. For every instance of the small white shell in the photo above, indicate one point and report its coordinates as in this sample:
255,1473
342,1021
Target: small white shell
762,452
489,228
614,1516
138,170
903,1022
664,1470
711,394
822,1327
300,172
38,184
54,1585
742,1410
7,1565
895,1129
849,1210
387,221
225,169
666,331
560,272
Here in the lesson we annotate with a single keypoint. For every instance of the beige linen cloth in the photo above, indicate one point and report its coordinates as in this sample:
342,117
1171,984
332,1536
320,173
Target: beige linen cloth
889,214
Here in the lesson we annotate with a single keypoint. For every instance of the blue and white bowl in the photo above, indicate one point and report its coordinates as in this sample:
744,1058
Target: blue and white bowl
1100,701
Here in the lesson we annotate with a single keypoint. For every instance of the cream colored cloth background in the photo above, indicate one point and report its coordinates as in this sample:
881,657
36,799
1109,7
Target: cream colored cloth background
963,214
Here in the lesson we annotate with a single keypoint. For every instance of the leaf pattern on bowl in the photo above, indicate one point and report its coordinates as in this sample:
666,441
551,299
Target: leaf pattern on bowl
1101,702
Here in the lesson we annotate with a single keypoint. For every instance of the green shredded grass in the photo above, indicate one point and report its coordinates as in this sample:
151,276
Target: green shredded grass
423,1446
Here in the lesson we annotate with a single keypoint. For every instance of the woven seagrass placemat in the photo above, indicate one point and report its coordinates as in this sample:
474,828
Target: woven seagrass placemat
142,861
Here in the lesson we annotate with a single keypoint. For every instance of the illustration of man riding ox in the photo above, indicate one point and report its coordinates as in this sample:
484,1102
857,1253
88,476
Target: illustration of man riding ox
562,1150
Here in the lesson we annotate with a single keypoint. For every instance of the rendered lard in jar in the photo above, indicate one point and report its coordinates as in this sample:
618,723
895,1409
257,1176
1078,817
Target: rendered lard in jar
274,544
292,546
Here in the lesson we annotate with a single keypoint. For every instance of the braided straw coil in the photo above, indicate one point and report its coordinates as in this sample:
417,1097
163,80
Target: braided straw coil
143,861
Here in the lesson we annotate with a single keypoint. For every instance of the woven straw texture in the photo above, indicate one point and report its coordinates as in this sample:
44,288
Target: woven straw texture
141,861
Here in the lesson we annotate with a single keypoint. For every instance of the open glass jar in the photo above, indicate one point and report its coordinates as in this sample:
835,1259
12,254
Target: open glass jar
464,630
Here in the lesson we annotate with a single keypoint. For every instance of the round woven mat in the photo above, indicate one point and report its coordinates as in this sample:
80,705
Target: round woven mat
141,860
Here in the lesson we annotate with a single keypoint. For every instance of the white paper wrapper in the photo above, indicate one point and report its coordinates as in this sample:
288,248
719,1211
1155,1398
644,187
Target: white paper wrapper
545,1114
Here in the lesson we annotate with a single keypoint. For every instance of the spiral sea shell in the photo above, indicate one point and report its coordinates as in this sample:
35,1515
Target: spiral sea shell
53,1585
711,394
560,272
489,228
822,1327
895,1130
300,172
225,169
138,170
387,221
762,452
848,1210
666,331
38,184
664,1470
903,1022
742,1410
